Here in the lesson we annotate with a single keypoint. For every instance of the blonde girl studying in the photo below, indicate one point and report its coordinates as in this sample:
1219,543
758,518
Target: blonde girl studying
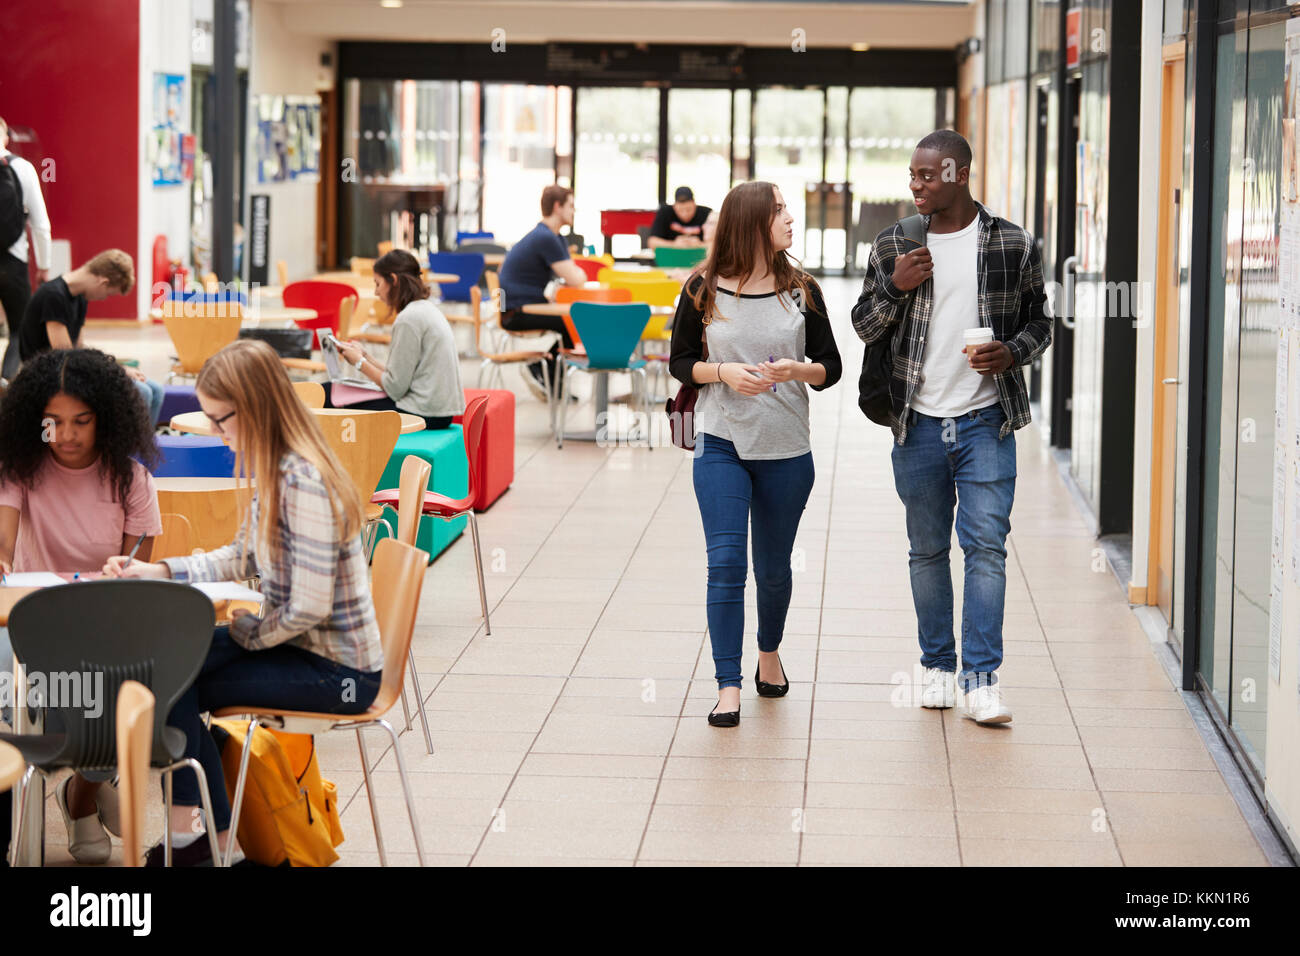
315,646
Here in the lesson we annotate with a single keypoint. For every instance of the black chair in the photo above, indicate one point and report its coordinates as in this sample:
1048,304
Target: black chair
288,343
85,639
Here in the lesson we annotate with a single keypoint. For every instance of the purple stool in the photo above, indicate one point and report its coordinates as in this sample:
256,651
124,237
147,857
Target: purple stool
177,400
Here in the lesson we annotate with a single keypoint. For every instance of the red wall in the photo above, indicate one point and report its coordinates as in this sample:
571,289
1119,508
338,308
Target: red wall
70,71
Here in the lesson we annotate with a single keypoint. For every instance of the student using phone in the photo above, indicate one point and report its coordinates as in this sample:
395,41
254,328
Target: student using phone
422,375
73,493
315,646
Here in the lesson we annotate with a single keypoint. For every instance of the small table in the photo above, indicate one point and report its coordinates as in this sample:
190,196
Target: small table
197,423
561,310
493,260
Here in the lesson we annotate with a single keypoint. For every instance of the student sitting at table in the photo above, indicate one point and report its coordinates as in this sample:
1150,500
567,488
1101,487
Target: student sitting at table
679,224
316,645
528,269
422,376
72,494
56,314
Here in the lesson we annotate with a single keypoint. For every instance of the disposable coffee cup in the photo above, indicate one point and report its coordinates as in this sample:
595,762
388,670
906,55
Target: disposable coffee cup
981,336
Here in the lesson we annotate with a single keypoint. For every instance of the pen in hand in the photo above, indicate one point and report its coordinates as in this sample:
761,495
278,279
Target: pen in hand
772,359
139,541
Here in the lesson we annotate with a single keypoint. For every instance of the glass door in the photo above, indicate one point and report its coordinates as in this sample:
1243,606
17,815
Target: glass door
617,157
699,144
519,142
788,152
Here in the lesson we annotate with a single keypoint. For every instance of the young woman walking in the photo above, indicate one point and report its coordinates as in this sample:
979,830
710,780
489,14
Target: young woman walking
764,325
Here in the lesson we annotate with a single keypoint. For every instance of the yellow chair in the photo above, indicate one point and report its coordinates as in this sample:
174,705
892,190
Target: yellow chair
610,274
397,576
363,442
311,393
135,704
200,330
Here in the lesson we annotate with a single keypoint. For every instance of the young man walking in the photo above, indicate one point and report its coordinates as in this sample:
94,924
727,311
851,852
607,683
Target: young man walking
955,408
21,205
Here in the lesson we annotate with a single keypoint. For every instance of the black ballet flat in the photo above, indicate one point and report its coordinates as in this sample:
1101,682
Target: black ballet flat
771,690
729,719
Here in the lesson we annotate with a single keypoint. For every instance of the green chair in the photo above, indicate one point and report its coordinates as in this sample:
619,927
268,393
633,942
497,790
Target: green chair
444,450
686,257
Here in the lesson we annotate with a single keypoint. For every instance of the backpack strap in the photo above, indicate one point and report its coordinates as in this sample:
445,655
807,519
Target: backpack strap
913,228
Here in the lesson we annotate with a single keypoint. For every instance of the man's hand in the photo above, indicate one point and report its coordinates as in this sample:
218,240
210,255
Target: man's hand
990,358
911,269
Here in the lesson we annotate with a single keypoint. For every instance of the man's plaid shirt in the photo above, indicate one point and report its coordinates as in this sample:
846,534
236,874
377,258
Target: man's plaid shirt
1012,302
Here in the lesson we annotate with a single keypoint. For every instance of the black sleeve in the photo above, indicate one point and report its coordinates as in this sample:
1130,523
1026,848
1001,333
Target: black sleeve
688,335
662,226
819,340
45,306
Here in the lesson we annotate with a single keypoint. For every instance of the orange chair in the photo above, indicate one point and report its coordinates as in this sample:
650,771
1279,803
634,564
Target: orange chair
566,294
325,298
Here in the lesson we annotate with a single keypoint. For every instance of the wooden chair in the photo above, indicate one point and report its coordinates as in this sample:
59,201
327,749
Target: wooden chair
210,282
412,484
385,247
177,538
135,704
282,272
210,505
311,393
199,336
397,576
363,442
362,266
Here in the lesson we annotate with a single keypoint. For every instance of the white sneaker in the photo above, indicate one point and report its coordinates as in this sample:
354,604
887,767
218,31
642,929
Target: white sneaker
107,804
984,705
87,841
938,688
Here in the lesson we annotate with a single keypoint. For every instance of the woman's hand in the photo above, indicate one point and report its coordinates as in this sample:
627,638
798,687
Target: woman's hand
745,379
351,351
120,566
782,370
134,373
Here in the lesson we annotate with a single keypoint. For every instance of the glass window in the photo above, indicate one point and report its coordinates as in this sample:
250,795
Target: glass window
519,146
788,152
1047,35
699,146
1017,39
617,162
994,37
740,116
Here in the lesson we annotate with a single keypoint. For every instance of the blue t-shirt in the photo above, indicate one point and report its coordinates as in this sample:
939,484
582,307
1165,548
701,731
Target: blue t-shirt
527,266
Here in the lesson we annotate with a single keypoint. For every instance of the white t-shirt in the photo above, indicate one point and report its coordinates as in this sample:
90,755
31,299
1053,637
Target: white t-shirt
949,386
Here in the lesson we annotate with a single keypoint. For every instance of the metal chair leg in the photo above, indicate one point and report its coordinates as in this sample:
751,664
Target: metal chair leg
242,779
205,800
20,807
550,396
419,702
562,413
482,589
406,707
406,790
370,793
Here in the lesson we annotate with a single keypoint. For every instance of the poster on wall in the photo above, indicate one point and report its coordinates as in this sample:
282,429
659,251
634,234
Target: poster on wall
166,147
288,137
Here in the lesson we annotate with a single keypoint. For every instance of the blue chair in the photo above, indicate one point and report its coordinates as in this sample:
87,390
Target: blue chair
610,333
194,456
474,237
468,265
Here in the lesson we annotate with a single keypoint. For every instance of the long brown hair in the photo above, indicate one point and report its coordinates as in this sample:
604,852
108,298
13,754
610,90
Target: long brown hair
272,421
742,243
402,272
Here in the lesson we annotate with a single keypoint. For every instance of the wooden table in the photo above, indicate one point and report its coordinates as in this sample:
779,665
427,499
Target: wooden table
197,423
493,260
259,316
561,310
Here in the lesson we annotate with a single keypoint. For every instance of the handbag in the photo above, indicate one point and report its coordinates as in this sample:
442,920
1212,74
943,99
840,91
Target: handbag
681,408
878,358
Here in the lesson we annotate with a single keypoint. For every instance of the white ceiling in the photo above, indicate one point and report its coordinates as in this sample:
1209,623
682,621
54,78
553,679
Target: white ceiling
936,24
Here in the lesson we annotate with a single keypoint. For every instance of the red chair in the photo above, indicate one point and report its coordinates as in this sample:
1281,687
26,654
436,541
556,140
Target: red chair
590,266
440,506
325,298
496,460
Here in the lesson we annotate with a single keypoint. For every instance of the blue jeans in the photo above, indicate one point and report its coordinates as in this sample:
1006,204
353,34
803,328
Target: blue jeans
281,676
958,462
733,494
153,394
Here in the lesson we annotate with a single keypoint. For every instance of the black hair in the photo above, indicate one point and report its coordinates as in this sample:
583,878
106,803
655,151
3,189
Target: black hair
122,427
948,142
402,271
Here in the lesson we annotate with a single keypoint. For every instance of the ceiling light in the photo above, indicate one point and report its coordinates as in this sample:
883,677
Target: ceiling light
860,47
390,4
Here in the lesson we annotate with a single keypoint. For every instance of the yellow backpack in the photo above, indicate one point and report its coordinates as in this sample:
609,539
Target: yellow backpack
290,816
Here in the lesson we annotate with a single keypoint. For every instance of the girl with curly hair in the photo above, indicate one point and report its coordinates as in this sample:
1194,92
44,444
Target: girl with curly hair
73,493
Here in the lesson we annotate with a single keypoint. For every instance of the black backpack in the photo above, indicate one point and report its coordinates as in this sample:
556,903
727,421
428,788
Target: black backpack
13,214
878,359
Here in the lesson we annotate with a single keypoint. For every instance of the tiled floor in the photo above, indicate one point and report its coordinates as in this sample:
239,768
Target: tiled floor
575,734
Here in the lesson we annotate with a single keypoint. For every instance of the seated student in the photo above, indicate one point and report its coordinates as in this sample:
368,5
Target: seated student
57,311
317,636
528,268
71,496
681,224
422,376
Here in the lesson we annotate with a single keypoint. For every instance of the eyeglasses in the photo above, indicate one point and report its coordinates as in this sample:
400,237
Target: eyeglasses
216,422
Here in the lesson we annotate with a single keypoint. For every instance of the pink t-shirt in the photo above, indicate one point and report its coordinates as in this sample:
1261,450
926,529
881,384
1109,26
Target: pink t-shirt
70,521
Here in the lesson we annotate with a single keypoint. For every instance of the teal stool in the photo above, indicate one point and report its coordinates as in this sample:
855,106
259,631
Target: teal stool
444,450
